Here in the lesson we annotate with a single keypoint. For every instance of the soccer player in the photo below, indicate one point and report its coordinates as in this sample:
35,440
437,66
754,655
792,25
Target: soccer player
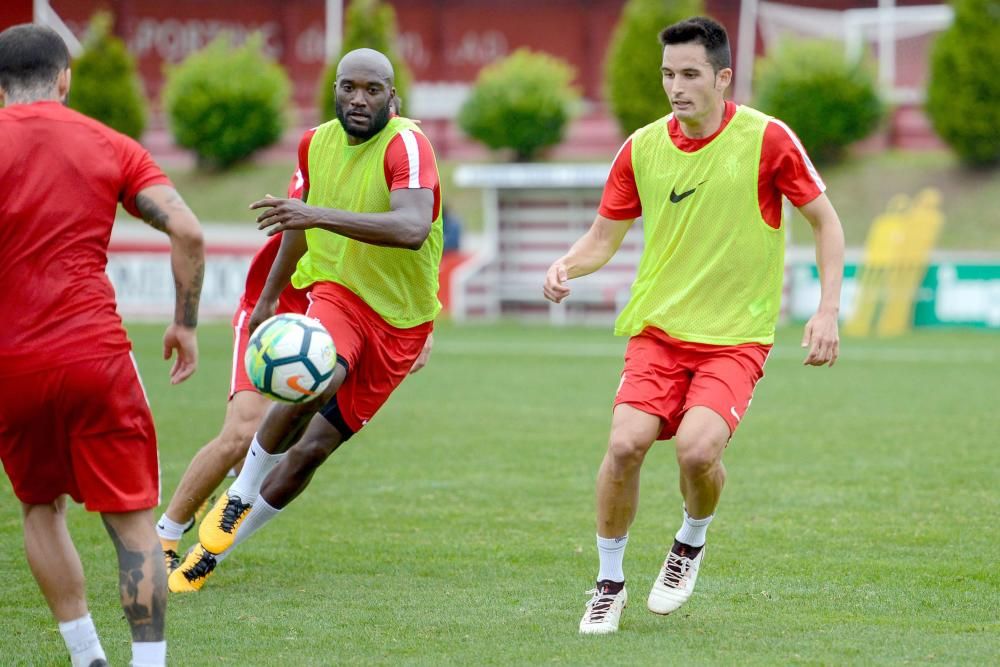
74,419
367,241
708,180
246,406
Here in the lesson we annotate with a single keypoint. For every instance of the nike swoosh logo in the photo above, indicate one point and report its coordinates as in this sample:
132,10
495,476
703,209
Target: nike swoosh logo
293,382
675,198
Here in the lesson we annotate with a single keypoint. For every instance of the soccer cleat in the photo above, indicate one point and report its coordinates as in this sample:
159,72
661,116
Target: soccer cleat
675,583
198,565
218,530
202,510
171,560
604,609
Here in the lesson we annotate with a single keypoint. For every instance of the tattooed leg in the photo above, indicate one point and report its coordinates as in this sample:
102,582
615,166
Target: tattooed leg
53,559
142,578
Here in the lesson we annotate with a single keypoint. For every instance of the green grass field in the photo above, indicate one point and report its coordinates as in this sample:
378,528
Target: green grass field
859,525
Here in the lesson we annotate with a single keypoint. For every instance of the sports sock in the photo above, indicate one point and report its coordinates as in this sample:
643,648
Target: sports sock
692,531
149,654
611,551
258,464
82,641
261,513
169,530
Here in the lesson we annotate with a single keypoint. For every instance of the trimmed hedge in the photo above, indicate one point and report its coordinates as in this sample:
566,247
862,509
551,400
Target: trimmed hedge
633,86
963,95
522,102
105,84
226,102
829,103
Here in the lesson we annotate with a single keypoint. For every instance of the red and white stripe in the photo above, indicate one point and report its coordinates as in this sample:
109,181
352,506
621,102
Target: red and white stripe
802,151
412,157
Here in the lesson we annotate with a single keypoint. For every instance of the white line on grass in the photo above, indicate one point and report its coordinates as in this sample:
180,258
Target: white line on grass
849,353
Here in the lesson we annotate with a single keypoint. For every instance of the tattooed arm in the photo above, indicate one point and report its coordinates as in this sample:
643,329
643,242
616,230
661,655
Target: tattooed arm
163,209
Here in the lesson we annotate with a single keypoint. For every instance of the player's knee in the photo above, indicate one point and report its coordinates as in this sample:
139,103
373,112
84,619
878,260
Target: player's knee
697,454
627,449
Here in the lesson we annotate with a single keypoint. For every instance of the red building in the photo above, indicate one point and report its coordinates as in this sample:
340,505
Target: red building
447,42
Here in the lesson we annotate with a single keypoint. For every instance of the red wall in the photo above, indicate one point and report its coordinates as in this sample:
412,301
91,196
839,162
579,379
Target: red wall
442,40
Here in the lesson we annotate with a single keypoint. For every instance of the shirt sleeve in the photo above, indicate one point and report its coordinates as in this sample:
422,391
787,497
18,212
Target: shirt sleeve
298,186
620,200
139,171
409,162
787,165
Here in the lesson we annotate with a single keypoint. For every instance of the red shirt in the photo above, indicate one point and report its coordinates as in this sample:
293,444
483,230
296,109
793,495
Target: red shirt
290,299
61,178
785,169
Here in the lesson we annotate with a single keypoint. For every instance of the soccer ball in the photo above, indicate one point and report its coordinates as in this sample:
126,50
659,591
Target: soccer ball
290,358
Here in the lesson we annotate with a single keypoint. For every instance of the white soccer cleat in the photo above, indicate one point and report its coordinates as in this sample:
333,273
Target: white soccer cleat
604,611
675,583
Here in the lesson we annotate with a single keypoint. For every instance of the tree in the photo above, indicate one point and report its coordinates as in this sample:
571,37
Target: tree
522,102
225,102
829,102
105,83
367,24
963,95
632,83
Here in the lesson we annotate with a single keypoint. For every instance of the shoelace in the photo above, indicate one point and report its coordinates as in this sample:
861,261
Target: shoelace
676,570
202,568
234,508
598,606
174,557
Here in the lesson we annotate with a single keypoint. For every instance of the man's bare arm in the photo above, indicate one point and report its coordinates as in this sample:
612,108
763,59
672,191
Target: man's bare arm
164,209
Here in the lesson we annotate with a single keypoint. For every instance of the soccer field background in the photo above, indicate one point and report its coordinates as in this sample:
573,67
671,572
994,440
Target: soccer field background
858,525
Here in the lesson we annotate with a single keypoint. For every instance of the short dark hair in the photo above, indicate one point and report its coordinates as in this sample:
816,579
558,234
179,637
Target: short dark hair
30,56
705,31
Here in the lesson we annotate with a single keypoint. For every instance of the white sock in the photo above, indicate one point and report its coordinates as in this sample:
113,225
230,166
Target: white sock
168,529
261,513
611,551
692,532
149,654
82,641
258,464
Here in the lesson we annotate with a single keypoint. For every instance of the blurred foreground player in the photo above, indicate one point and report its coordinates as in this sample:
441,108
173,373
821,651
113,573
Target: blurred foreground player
74,419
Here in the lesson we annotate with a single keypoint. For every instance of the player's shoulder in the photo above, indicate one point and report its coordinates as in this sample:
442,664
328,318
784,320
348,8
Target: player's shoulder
658,126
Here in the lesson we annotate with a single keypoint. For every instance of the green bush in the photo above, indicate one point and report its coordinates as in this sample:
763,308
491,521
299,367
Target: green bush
963,95
367,24
225,102
522,102
828,101
105,84
633,86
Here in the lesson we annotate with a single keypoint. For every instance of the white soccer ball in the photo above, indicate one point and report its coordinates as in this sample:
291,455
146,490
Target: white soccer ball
290,358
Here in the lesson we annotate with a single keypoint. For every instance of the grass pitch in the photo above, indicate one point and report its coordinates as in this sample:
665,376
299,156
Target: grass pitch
859,524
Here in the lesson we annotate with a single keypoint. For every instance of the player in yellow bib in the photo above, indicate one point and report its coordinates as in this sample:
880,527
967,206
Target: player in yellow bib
708,181
366,240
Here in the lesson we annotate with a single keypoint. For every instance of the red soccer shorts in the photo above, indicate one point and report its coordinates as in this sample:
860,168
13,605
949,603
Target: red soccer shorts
82,429
377,355
665,377
291,301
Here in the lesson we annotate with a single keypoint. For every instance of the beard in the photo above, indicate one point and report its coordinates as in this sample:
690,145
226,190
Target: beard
376,124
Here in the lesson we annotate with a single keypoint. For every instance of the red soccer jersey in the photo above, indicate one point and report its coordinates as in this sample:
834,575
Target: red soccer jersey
291,299
61,178
785,169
